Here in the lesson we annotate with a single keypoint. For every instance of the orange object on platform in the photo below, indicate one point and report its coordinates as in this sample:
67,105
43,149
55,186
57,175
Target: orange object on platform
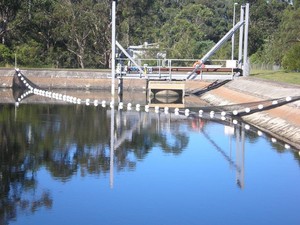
199,62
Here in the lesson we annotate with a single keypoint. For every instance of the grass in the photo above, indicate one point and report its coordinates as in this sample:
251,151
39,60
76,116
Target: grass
279,76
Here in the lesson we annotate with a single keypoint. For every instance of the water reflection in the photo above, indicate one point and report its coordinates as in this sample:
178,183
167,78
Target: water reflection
96,141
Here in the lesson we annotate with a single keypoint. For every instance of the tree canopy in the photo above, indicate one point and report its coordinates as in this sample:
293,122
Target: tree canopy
77,33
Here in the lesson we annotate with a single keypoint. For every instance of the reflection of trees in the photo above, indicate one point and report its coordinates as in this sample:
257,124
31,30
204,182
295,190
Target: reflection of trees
17,174
64,139
67,139
180,143
70,137
148,132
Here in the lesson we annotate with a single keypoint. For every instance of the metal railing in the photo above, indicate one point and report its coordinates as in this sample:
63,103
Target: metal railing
166,68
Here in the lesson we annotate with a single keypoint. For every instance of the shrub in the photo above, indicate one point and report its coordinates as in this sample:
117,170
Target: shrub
5,55
291,60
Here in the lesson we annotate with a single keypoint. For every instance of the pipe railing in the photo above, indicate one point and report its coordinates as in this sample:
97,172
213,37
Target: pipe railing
167,67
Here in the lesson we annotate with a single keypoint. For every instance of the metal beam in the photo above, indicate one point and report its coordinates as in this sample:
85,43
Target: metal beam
227,36
129,56
240,59
246,63
221,42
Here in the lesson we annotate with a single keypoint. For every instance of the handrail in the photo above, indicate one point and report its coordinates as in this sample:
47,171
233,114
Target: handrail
167,68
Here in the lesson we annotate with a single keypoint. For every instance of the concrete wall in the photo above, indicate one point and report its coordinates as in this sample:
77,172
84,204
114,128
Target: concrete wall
70,79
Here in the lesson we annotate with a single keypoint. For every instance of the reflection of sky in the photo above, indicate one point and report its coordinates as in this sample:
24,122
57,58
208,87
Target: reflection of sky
197,186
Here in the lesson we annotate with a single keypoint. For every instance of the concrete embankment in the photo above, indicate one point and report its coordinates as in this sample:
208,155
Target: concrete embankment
283,121
68,79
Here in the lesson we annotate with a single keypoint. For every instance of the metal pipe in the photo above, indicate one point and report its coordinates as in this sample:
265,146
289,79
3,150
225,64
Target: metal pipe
240,63
229,34
221,42
232,38
246,63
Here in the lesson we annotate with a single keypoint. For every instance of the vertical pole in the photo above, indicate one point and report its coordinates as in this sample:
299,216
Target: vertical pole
148,100
113,47
232,38
246,63
240,62
16,61
113,73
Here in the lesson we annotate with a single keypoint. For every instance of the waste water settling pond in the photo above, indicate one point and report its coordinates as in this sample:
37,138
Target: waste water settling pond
79,164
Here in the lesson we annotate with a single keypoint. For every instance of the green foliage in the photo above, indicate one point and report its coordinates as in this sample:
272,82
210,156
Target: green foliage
291,60
185,34
5,55
29,54
265,19
282,41
77,34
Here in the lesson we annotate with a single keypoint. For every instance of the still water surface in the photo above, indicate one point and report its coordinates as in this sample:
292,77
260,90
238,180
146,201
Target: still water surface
57,167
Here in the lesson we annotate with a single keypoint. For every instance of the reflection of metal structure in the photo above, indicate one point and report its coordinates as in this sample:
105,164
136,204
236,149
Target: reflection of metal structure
238,164
128,122
112,148
240,155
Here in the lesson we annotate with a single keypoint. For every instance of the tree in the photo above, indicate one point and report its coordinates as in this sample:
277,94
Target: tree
5,55
185,35
265,18
139,21
77,33
284,40
82,26
291,60
8,12
35,33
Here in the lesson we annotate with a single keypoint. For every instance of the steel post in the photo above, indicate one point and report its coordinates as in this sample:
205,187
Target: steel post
240,59
113,47
246,62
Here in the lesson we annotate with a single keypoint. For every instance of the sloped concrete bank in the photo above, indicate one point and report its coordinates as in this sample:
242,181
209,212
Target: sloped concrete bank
283,121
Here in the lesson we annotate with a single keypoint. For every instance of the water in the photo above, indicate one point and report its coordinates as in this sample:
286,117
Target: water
57,167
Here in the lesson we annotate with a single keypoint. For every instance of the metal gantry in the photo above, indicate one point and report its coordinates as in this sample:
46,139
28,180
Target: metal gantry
170,71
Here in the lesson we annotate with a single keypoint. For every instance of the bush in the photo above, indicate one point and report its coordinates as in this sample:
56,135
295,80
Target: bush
291,60
5,56
30,55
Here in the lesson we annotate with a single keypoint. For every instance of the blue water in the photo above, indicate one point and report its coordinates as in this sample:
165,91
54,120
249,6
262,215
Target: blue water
168,171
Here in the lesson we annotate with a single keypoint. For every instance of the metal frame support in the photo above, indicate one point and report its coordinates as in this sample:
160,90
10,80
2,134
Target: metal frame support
240,59
243,61
246,61
129,57
227,36
232,38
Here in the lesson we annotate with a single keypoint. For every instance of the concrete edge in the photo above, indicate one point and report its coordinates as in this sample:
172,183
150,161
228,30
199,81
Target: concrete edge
273,126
